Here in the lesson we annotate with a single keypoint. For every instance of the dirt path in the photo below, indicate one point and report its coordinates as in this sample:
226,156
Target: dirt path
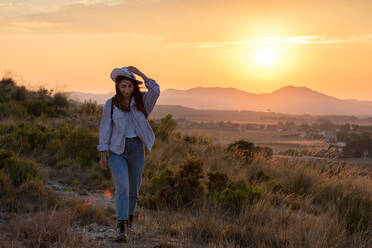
142,235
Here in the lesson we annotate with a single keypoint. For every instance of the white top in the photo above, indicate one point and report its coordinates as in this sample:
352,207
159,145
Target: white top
131,129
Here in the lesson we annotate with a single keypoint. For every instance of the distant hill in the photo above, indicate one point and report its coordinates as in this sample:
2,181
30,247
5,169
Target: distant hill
82,96
288,99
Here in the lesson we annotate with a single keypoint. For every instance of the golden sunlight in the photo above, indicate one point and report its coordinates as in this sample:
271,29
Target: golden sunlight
265,56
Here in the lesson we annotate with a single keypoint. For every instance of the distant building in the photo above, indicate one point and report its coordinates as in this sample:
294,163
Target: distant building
341,144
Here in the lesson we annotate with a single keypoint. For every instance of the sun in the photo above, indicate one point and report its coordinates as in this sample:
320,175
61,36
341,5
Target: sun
265,56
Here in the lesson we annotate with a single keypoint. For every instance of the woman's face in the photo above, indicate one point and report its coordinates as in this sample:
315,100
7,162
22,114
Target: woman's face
126,87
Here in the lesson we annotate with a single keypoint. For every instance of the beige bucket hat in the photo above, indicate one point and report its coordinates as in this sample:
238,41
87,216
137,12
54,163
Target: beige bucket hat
123,71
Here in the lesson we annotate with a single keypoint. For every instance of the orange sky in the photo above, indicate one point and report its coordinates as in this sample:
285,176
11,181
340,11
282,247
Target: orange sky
256,46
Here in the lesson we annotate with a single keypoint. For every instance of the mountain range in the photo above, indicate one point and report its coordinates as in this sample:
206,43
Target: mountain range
288,99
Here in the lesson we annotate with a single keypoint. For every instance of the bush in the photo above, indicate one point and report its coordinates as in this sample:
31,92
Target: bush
188,176
22,171
175,188
237,195
27,138
19,94
274,186
246,151
89,108
60,101
261,176
18,170
17,100
33,195
7,85
166,127
217,182
80,144
243,150
22,188
5,185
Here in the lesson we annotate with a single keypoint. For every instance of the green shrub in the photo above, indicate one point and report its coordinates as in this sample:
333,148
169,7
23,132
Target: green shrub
17,101
6,188
261,176
80,144
89,108
246,151
175,188
196,140
21,185
54,152
274,186
35,107
242,150
60,101
166,127
36,195
237,195
18,170
24,170
7,85
19,94
26,138
7,158
217,182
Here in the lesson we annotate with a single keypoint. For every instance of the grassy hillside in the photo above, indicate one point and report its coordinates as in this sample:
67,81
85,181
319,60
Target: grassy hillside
193,190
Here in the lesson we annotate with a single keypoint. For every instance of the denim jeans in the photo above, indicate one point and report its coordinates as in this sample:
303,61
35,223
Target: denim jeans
126,170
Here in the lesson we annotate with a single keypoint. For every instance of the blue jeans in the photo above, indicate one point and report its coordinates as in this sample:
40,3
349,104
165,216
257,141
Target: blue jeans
126,170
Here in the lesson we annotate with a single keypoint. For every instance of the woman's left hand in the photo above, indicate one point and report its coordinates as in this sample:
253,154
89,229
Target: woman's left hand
136,71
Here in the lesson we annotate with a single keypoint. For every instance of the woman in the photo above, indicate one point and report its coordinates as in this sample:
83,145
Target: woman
123,133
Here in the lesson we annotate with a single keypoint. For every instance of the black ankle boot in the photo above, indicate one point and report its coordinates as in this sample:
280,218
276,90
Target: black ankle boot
130,223
122,231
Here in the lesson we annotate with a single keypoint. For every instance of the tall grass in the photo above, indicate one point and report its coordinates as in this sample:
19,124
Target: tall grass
207,194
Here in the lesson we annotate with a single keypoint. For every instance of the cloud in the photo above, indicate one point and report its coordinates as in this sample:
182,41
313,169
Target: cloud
13,8
294,40
36,24
179,23
108,2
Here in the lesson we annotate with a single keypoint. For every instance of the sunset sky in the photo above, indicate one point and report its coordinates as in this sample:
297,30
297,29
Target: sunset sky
255,46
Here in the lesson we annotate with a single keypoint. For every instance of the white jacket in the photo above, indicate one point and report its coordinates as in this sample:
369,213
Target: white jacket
112,134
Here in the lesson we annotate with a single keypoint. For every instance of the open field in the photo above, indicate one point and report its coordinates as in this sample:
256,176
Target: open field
271,139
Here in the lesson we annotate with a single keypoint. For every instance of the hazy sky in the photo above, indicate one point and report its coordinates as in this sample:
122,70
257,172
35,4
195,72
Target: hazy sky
256,46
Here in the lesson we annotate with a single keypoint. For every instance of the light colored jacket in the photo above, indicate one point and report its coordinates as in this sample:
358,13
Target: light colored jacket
112,134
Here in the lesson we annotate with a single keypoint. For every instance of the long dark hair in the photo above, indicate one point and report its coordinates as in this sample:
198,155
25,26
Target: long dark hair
118,98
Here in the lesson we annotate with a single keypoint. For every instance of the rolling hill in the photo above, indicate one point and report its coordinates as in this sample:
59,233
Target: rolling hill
288,99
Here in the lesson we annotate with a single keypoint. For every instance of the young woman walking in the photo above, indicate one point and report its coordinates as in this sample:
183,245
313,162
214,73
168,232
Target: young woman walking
124,132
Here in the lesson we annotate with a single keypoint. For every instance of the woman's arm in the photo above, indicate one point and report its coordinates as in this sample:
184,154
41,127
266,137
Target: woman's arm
151,96
105,128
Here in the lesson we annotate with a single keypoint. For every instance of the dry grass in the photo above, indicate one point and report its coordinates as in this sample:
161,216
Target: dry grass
319,204
304,203
54,228
46,229
260,225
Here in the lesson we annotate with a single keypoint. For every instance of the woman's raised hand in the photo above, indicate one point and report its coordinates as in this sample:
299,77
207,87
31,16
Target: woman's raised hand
136,71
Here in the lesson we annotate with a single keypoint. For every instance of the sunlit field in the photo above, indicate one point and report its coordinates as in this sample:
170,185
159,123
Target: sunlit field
267,138
195,192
